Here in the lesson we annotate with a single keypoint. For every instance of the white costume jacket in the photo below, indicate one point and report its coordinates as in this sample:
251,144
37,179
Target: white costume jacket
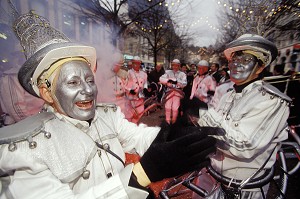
178,76
69,164
255,122
114,88
221,89
201,85
136,81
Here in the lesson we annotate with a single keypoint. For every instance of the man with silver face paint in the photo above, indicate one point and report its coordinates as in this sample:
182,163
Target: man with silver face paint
76,85
76,148
254,116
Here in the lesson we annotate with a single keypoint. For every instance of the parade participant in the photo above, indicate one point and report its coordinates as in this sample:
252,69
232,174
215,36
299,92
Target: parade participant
175,81
254,115
156,74
153,79
224,75
137,82
214,71
204,85
115,81
76,149
129,65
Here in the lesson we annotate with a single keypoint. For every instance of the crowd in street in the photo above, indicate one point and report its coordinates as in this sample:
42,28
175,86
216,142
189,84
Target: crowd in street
226,117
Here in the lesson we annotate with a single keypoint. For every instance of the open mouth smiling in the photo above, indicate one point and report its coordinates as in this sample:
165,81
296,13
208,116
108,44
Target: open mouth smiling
85,104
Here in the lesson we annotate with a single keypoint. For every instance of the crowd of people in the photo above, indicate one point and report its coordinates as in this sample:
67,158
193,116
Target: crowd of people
76,146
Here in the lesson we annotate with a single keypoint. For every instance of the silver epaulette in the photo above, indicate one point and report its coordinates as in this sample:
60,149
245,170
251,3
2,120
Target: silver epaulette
106,106
25,130
266,87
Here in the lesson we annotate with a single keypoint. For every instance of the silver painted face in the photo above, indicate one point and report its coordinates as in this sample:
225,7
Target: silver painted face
76,90
241,67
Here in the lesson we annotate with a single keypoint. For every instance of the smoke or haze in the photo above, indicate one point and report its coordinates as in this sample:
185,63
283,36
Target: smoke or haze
12,56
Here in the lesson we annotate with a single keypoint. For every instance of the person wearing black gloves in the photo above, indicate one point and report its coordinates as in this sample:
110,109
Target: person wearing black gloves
178,150
254,115
76,148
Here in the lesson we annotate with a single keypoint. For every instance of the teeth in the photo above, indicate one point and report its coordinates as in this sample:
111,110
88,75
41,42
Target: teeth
84,102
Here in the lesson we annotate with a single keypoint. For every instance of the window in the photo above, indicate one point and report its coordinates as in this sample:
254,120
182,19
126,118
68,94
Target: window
68,24
84,29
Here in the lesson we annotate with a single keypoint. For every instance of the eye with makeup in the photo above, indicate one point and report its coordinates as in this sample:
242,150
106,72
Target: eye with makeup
90,80
73,82
242,59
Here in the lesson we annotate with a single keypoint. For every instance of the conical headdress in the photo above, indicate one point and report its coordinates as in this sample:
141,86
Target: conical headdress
43,45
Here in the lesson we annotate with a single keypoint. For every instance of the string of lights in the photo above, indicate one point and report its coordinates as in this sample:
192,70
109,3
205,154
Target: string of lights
195,22
266,7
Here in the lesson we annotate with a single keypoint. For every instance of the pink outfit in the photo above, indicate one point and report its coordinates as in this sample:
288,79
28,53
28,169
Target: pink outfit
137,81
174,93
114,89
201,85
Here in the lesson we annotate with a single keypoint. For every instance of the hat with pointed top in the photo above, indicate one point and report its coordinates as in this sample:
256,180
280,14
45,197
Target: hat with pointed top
43,45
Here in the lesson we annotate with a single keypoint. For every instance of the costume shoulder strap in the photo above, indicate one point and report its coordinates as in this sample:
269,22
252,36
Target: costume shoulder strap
106,106
274,91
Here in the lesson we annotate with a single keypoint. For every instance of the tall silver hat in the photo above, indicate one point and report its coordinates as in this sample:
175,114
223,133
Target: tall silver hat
43,45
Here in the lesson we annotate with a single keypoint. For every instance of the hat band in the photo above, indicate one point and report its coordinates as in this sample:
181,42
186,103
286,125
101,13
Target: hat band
54,66
258,55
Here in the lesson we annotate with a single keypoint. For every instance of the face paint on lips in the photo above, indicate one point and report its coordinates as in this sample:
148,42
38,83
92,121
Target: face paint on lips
76,91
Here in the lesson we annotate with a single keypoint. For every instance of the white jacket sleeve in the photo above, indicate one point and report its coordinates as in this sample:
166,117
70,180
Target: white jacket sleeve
251,126
45,185
133,136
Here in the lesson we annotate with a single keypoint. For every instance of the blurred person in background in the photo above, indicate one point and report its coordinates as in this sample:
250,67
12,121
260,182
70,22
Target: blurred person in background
204,85
214,71
175,81
137,82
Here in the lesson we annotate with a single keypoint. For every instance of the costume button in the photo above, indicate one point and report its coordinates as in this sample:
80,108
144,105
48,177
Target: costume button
236,124
86,174
106,146
109,175
12,147
32,145
47,135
